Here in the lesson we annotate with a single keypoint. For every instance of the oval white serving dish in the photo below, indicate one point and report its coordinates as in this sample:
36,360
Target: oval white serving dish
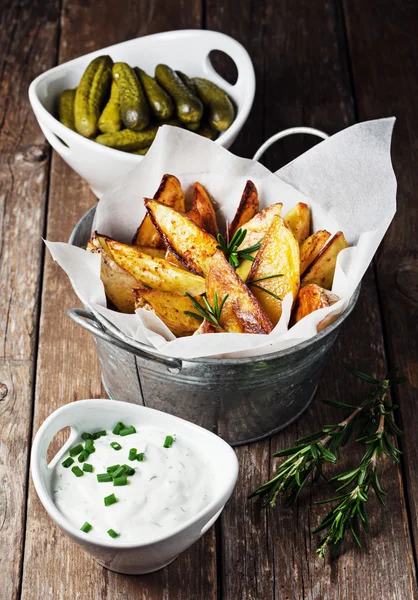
186,50
132,557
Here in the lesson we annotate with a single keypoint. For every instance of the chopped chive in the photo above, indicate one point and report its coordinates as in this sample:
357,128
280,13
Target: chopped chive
77,471
115,446
109,500
104,477
118,472
168,442
112,468
87,468
123,480
118,427
67,462
132,454
129,470
83,456
86,527
112,533
98,434
89,446
127,430
86,436
76,450
140,456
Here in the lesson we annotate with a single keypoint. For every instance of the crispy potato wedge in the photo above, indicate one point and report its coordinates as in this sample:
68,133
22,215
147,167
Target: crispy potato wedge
311,247
203,204
195,216
190,244
257,228
247,209
207,327
311,298
170,308
279,254
155,272
299,220
241,312
321,270
169,193
118,283
156,252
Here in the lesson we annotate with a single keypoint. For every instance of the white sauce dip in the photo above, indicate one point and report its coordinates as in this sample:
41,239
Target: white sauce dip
168,488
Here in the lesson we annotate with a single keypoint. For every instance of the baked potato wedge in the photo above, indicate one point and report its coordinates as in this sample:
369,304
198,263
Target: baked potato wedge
170,308
156,252
299,220
195,216
206,327
321,270
241,312
278,255
170,193
190,245
118,283
311,298
257,228
311,247
203,205
157,273
247,209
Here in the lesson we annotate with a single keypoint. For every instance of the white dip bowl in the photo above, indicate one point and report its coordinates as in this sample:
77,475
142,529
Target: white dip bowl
132,557
185,50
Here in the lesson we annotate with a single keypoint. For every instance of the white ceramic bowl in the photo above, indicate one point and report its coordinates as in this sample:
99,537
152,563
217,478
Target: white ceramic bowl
185,50
132,557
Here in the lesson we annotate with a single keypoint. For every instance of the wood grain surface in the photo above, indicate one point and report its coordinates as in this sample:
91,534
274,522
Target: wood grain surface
320,63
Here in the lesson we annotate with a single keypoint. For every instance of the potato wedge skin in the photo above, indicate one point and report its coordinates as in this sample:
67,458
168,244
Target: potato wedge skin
241,312
299,220
247,209
118,283
321,270
311,247
195,216
257,228
311,298
155,272
190,245
279,254
203,204
170,193
170,308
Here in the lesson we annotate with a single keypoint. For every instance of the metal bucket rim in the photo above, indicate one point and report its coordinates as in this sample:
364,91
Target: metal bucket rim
241,360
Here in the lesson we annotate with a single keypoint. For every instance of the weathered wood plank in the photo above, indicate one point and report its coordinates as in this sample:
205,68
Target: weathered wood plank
304,78
68,369
384,56
28,35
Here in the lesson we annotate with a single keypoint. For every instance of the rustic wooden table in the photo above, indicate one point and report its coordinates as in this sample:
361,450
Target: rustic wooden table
322,63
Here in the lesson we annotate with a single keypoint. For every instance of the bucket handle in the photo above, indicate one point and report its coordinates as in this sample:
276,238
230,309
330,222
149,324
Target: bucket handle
282,134
87,320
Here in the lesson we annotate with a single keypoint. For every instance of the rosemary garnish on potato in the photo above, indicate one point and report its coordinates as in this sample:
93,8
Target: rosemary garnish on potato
230,249
372,422
211,314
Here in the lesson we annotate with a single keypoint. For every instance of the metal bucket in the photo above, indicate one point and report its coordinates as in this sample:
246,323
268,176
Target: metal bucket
240,399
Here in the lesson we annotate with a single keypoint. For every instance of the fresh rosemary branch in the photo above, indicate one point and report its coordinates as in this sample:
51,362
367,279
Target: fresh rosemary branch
211,314
373,421
230,249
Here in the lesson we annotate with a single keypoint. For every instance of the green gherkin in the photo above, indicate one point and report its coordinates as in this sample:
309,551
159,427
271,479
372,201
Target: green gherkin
160,102
92,93
134,107
189,108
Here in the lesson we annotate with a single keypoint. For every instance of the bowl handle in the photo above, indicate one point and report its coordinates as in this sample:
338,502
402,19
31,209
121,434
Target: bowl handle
57,142
88,321
282,134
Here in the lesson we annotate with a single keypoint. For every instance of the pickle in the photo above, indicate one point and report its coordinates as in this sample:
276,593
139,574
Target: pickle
160,102
128,140
219,106
189,108
187,82
192,126
110,120
91,95
66,108
207,132
134,107
141,151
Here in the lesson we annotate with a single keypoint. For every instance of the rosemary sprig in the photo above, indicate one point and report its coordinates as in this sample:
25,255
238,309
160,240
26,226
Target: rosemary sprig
230,249
376,429
211,314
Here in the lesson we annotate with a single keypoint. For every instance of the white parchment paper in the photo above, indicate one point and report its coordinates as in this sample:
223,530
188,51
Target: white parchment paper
347,180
